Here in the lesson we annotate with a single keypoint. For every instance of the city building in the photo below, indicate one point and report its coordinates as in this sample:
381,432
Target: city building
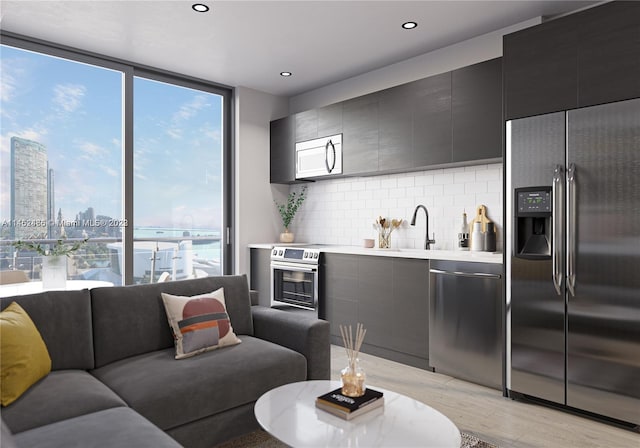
29,181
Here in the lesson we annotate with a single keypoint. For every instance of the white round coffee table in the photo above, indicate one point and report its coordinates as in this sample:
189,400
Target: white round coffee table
289,413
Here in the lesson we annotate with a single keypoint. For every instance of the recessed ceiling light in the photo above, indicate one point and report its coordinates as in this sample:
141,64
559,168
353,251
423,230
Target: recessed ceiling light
409,25
199,7
286,74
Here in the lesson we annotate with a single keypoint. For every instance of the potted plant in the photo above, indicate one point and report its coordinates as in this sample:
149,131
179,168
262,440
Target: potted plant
288,212
54,263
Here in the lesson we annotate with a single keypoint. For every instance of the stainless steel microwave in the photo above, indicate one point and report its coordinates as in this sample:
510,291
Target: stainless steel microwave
319,157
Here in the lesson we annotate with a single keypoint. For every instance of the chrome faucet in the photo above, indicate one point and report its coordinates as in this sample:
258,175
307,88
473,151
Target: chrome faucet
427,241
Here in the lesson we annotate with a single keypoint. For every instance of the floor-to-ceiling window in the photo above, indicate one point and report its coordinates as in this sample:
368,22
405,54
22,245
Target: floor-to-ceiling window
133,160
177,181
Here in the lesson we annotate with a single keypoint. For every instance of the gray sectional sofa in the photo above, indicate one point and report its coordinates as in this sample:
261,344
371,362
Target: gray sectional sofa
115,382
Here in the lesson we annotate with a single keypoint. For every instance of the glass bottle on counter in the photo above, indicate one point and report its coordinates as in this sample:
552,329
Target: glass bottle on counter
463,235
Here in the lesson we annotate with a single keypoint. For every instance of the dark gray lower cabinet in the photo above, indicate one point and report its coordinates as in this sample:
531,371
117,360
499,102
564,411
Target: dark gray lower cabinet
389,296
260,278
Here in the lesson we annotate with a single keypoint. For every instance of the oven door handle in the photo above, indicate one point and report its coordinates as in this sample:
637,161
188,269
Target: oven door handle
293,267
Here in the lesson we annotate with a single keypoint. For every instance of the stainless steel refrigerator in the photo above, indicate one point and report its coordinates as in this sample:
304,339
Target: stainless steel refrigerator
573,258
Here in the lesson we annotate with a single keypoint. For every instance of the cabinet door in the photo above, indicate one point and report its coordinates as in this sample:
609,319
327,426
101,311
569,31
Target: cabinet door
395,128
540,69
432,120
375,304
282,146
360,135
609,54
330,120
306,125
339,291
477,111
260,260
410,323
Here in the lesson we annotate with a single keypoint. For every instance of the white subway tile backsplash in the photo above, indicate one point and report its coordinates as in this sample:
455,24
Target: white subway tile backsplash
475,187
443,178
464,177
425,179
388,182
342,211
408,181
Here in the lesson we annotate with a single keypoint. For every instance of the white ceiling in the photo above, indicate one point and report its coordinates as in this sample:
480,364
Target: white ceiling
248,43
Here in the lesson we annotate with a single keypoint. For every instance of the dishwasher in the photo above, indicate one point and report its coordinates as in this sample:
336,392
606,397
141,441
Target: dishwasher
465,321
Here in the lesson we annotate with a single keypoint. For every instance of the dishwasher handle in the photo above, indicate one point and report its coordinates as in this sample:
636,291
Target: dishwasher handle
466,274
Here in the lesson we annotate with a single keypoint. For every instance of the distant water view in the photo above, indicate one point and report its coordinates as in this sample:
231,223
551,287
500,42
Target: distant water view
207,249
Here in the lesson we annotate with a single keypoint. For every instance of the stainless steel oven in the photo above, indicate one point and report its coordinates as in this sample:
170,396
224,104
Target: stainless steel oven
295,277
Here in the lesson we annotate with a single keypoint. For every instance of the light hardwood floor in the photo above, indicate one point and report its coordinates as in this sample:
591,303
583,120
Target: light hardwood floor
484,412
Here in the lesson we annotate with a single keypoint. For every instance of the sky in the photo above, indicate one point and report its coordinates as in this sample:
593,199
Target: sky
76,111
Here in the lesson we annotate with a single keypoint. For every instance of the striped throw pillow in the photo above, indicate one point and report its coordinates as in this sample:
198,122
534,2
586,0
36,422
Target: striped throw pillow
199,323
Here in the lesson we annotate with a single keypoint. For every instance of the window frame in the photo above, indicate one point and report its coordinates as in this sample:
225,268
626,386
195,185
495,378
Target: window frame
130,70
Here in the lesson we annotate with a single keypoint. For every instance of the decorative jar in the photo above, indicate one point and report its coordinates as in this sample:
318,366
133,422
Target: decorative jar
353,380
286,236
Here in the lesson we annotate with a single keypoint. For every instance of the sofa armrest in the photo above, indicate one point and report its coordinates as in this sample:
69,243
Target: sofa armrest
307,336
255,297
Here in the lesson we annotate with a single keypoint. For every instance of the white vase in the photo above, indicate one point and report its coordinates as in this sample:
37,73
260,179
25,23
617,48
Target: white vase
54,272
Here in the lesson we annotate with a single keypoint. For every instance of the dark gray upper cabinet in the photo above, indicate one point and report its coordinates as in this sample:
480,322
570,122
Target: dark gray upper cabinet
360,135
317,123
306,125
476,111
448,118
540,70
395,127
591,57
609,54
282,141
330,120
432,120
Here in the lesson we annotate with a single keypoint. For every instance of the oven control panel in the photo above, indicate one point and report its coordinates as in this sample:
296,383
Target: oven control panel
296,254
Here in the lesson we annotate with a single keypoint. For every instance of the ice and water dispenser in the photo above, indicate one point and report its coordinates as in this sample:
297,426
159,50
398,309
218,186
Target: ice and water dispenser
533,222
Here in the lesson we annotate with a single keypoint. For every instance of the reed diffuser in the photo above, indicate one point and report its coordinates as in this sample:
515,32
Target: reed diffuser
353,376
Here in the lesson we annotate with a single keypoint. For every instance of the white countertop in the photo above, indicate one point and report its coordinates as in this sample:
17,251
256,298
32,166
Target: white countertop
451,255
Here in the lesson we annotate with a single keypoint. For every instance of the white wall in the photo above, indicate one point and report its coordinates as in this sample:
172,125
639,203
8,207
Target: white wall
342,211
472,51
256,217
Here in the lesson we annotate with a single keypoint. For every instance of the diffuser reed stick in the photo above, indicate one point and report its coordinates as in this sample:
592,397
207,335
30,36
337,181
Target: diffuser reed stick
352,376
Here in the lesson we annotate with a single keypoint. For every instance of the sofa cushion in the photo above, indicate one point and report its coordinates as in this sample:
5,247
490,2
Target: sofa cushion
171,393
63,318
60,395
24,358
199,323
131,320
117,427
6,437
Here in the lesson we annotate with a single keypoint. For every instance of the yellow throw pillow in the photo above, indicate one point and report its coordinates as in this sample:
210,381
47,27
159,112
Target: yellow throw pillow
24,358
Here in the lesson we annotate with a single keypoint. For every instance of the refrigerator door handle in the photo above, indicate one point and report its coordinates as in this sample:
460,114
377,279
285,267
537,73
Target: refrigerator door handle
571,230
558,218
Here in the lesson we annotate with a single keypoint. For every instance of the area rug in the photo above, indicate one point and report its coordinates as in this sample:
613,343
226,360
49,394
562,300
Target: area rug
261,439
